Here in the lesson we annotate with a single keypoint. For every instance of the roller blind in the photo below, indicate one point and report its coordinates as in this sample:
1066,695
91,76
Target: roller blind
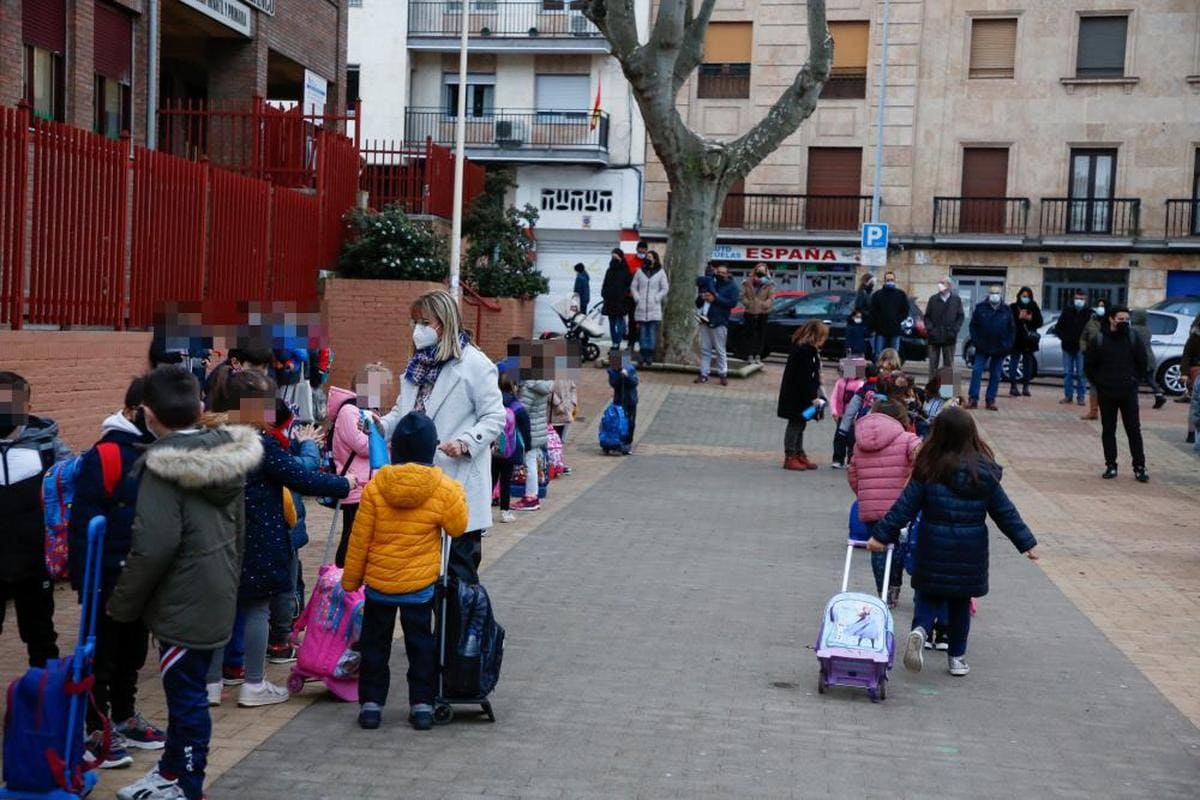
850,41
993,48
44,24
1101,47
728,43
834,170
113,42
562,92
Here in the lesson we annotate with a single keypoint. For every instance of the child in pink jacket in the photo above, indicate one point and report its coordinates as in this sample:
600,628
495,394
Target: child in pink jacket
884,450
349,416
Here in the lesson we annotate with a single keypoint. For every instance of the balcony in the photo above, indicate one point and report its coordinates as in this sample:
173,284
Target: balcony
1116,218
980,217
1183,218
561,136
497,26
796,213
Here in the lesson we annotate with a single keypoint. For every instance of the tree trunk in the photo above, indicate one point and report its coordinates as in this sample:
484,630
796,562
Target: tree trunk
695,209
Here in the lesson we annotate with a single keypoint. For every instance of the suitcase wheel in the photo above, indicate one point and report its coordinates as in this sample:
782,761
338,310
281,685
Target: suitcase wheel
443,713
295,683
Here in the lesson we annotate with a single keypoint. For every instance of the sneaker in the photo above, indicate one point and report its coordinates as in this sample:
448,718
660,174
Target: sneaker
1066,401
724,380
1139,473
281,654
972,405
1081,402
1159,401
1110,472
266,693
421,718
233,676
914,659
140,734
530,503
214,694
118,754
152,786
701,379
1190,438
838,465
508,516
370,717
1025,392
893,596
993,407
567,471
958,667
941,644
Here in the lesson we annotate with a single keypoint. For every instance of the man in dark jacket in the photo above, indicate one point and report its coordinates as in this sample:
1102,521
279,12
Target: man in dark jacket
615,294
721,294
943,320
992,332
583,287
889,309
1189,370
1115,362
1069,328
1027,318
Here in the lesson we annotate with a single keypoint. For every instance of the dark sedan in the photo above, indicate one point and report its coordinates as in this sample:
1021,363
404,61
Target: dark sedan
832,308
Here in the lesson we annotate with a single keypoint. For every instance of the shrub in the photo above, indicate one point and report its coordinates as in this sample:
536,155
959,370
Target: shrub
501,258
388,244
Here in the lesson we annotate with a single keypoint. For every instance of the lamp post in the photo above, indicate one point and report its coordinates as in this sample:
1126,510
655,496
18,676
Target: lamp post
883,67
460,146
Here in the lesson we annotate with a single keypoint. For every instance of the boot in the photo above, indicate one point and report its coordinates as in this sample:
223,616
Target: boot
795,463
1093,407
807,464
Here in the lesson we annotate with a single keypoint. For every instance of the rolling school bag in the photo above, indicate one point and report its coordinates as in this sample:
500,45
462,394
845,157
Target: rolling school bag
856,645
614,428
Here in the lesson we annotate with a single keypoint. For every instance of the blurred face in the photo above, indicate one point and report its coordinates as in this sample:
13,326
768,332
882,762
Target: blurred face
372,392
14,408
254,411
722,273
1119,320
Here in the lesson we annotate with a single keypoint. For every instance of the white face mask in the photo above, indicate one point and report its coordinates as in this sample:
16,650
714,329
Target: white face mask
994,298
943,287
424,336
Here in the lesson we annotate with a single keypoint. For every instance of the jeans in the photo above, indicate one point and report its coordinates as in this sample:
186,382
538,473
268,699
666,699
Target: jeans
929,608
253,616
286,606
994,364
616,330
121,649
712,342
1073,375
1026,362
879,561
1127,405
879,343
756,334
189,727
940,355
531,473
793,437
648,342
375,644
348,512
34,602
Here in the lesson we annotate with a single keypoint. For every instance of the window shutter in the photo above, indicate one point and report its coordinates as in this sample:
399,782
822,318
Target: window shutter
834,170
1101,47
850,42
729,43
993,48
44,24
562,92
113,42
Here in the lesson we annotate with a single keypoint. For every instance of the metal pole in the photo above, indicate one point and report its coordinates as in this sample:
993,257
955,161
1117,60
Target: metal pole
152,76
460,146
883,67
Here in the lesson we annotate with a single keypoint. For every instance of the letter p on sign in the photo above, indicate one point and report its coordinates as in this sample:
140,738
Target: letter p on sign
874,234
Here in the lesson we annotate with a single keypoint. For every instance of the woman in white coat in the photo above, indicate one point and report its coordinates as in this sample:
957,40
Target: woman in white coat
454,384
650,287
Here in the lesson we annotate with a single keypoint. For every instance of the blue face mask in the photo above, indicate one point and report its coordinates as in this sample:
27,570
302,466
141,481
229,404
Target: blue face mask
1024,301
890,284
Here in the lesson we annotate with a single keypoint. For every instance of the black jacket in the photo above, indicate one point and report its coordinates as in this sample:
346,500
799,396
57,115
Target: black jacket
615,289
24,460
1115,363
1070,325
1022,341
944,318
889,308
801,382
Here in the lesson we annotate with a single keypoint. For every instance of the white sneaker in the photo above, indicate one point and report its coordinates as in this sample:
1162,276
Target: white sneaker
508,516
214,694
914,653
261,694
958,667
152,786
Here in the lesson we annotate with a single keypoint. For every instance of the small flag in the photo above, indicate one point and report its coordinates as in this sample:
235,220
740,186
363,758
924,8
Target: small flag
595,109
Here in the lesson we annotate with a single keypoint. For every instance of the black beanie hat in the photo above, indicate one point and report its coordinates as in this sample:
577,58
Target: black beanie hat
415,440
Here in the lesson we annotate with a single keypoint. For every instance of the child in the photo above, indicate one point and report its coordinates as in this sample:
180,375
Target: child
889,362
624,383
853,375
884,449
181,575
535,396
502,468
955,486
800,391
395,550
121,647
29,446
859,406
564,402
856,335
248,398
351,438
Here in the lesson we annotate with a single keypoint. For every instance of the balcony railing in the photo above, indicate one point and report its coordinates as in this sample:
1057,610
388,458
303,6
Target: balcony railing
1004,216
550,19
1183,218
792,212
557,133
1063,216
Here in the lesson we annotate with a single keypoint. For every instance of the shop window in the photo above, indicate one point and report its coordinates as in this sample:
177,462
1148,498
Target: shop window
993,48
1101,47
848,77
725,71
1060,285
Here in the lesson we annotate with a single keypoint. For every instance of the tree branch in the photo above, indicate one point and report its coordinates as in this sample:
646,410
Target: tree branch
615,19
691,50
668,25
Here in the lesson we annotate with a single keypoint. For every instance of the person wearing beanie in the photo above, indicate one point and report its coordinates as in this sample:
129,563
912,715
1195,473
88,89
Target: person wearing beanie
395,552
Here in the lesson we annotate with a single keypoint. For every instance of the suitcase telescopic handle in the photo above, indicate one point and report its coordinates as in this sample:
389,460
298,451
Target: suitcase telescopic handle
851,546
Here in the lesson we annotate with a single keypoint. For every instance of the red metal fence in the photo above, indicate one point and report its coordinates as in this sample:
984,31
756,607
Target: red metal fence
418,178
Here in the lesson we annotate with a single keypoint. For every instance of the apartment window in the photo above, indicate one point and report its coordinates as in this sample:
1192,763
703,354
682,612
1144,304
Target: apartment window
113,112
352,78
562,97
1101,47
834,184
481,93
1196,196
725,72
112,58
848,77
993,48
44,31
1093,175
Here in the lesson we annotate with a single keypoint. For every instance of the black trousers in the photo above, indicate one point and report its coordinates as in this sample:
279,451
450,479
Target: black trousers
121,649
375,645
348,512
756,333
502,469
465,554
34,602
1127,405
793,437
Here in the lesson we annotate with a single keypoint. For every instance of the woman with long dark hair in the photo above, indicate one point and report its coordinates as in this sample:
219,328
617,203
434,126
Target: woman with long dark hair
800,390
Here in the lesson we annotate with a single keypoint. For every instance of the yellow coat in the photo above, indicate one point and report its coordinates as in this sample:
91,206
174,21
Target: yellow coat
395,546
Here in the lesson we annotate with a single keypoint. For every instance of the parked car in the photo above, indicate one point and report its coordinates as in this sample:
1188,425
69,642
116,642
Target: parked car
780,296
832,308
1188,304
1168,334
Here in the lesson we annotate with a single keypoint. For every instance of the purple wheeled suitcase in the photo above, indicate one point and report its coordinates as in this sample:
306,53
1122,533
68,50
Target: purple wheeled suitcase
856,645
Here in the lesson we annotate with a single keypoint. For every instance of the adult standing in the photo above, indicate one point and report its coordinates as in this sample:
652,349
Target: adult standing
1027,318
650,287
1090,330
635,262
862,298
721,295
1069,329
943,320
992,331
800,390
615,294
1189,370
583,287
1139,320
888,310
758,293
453,383
1115,361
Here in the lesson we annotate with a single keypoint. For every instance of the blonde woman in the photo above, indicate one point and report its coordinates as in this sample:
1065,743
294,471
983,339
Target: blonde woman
800,391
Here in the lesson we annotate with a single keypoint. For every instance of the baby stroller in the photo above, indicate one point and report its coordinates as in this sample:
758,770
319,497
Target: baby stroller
857,642
582,326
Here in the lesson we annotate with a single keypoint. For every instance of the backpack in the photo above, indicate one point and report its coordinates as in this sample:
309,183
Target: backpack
474,642
614,427
328,465
510,444
320,362
58,493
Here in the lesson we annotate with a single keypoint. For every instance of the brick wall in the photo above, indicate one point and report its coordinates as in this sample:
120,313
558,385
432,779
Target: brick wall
78,377
11,84
515,318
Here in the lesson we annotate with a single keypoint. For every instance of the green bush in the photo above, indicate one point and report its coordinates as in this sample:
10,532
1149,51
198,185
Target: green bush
387,244
501,259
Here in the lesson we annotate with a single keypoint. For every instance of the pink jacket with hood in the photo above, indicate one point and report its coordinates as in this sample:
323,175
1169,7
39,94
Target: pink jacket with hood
349,437
883,459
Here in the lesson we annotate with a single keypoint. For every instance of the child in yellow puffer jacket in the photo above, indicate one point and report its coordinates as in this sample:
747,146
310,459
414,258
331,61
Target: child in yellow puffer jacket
395,550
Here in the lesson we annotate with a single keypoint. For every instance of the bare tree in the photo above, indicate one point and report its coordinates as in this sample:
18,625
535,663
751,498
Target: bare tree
699,170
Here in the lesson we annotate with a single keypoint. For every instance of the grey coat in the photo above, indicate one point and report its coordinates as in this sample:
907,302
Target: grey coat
535,396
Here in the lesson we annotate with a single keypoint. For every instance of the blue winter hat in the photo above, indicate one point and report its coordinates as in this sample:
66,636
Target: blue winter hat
415,440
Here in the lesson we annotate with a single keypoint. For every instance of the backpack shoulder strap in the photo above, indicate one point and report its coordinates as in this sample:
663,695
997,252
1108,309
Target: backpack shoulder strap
110,466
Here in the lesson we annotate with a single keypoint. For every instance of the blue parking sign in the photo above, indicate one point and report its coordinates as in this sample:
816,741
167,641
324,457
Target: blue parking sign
874,235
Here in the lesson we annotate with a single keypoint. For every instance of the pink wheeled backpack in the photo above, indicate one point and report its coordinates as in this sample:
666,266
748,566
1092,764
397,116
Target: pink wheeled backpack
330,624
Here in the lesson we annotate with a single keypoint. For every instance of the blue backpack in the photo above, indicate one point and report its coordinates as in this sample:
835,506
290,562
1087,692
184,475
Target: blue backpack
614,427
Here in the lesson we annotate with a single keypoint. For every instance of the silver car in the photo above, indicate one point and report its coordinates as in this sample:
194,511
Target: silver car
1168,334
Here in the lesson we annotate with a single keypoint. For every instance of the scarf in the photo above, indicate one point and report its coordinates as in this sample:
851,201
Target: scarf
423,368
